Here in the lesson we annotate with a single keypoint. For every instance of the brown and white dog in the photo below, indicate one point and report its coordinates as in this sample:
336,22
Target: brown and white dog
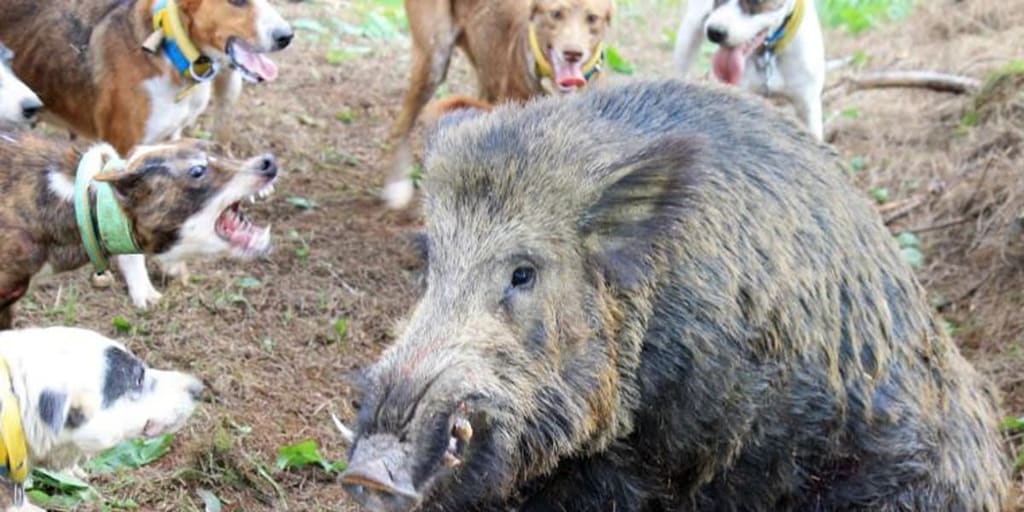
180,200
80,393
85,59
565,55
18,104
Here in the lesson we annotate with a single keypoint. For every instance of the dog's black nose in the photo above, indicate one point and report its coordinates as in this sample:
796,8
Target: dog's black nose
282,38
30,107
717,35
572,56
268,165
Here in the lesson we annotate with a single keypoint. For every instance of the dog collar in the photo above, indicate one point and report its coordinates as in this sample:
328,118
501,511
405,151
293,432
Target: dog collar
13,446
780,38
170,35
114,234
590,68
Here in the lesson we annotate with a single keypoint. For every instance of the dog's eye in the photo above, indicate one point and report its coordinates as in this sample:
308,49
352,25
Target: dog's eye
557,14
523,277
238,3
592,19
197,171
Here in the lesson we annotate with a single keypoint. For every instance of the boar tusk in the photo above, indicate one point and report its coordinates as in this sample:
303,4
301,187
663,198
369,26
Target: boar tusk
462,430
346,433
450,461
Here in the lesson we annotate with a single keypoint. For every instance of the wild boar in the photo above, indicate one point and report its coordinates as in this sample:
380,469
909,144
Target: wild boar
661,297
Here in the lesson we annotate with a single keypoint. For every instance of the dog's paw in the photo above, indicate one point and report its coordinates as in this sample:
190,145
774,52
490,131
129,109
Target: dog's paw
398,194
144,297
177,270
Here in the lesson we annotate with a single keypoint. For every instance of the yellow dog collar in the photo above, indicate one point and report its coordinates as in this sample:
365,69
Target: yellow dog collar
778,41
13,446
169,34
544,69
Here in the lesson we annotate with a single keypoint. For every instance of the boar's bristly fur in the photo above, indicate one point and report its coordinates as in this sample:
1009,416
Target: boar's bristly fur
665,297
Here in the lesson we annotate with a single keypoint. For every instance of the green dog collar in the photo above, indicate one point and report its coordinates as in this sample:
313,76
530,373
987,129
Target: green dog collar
114,235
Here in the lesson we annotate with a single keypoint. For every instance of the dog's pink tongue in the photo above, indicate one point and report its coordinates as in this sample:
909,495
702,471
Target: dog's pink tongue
257,63
728,64
569,74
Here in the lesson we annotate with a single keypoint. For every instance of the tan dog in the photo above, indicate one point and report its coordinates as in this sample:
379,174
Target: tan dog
85,60
563,57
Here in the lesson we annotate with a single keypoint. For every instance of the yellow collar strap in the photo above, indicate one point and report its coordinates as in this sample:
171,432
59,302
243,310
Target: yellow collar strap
170,35
544,69
13,446
782,37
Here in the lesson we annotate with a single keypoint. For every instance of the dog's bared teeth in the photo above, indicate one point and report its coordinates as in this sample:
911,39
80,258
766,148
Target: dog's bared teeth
252,199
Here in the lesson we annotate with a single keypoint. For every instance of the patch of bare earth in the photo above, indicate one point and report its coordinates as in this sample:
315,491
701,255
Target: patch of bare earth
275,365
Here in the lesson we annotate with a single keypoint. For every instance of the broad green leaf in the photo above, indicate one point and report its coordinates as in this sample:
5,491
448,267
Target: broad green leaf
300,454
880,194
122,324
913,257
301,202
617,62
908,239
131,454
248,282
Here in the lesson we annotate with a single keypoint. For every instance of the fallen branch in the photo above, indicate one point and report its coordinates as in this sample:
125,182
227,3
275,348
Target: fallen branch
941,82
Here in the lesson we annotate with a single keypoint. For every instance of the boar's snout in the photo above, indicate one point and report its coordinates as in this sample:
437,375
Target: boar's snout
378,476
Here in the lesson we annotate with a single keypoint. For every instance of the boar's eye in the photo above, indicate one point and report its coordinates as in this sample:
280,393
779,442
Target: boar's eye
522,277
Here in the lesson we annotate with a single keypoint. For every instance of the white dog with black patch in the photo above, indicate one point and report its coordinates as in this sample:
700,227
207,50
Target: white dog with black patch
79,393
772,47
18,104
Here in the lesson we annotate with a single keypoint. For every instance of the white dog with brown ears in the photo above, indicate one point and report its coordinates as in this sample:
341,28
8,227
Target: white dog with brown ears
772,47
67,394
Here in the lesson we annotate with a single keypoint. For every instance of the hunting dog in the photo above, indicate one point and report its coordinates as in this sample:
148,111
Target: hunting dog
130,73
518,48
18,104
173,201
772,47
69,393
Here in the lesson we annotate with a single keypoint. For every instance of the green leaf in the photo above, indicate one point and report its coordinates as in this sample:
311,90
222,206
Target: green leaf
301,202
851,113
341,327
131,454
908,239
1012,424
880,194
61,482
210,500
300,454
949,327
617,62
860,58
377,26
248,282
346,116
310,25
913,257
122,324
857,163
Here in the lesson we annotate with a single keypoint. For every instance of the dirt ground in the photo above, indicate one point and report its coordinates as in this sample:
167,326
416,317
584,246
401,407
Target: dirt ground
262,334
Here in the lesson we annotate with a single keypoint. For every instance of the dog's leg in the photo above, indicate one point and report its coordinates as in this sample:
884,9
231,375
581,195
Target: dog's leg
140,288
690,35
6,317
227,86
807,102
431,54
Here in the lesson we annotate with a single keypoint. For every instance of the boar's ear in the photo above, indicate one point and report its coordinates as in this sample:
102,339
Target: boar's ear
637,214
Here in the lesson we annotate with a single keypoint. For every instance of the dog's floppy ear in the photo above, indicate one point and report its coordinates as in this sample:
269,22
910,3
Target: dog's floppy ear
53,409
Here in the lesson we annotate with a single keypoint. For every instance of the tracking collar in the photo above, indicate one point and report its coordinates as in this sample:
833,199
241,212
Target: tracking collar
170,35
776,42
591,68
13,445
114,233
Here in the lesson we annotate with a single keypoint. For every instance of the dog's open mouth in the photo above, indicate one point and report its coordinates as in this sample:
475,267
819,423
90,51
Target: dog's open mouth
728,62
254,64
235,228
568,75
